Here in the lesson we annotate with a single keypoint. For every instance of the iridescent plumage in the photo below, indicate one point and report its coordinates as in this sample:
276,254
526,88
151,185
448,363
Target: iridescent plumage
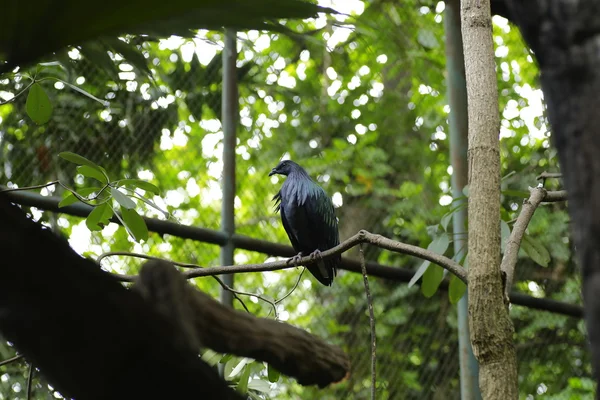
308,217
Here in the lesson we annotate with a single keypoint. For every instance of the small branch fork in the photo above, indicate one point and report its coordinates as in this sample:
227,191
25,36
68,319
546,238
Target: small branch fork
511,252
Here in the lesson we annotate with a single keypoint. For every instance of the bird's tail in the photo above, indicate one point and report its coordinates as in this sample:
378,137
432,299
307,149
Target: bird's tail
325,270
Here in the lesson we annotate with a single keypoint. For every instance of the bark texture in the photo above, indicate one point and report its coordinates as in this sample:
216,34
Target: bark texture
565,37
490,326
94,339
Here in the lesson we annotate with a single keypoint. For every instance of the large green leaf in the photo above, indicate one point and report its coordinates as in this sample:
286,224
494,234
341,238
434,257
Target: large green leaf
135,224
123,200
272,373
38,105
20,43
536,250
99,217
431,280
439,245
144,185
90,172
456,289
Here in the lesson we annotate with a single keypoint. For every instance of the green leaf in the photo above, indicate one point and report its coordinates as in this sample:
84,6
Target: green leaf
259,385
456,289
144,185
242,385
96,217
536,250
130,53
238,368
438,245
38,105
272,373
79,160
83,92
69,198
446,220
466,190
122,199
226,358
135,224
211,358
90,172
504,234
431,280
448,216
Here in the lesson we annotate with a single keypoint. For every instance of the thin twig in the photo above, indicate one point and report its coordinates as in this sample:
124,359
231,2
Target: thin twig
144,256
30,187
363,267
548,175
184,265
233,292
511,252
16,95
11,360
30,381
294,288
361,237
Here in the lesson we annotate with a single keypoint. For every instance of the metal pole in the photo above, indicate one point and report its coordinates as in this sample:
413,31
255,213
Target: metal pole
458,125
229,114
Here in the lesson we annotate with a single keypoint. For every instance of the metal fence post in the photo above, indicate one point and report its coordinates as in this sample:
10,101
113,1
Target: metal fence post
457,98
229,117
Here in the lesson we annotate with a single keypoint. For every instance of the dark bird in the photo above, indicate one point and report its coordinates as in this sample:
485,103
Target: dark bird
308,218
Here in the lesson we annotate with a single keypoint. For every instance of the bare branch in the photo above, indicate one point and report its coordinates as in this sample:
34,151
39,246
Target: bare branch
11,360
556,196
361,237
235,293
371,322
145,257
292,290
548,175
30,187
30,381
511,253
184,265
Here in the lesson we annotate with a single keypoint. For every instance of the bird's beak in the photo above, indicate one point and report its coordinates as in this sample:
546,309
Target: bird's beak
273,172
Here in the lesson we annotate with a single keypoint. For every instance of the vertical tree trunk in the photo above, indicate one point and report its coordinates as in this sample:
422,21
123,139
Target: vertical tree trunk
489,322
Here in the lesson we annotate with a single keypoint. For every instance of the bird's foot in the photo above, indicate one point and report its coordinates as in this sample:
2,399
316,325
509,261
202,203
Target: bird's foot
316,255
296,259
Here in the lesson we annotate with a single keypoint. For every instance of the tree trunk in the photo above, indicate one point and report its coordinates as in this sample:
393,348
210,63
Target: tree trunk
489,322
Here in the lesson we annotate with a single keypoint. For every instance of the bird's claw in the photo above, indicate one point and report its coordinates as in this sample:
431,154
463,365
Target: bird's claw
316,255
296,259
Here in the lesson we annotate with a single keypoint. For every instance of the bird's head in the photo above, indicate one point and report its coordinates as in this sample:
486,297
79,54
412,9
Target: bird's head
284,168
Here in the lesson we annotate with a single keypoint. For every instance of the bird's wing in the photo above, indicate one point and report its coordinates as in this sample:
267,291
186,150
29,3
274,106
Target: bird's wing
292,234
321,216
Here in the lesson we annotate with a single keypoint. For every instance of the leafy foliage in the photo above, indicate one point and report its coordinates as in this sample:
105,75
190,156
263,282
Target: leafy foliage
364,109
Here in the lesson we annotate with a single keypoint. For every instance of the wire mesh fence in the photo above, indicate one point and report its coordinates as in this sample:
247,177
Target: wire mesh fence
333,101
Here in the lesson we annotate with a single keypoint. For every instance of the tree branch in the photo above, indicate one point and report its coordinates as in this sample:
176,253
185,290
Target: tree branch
361,237
371,323
511,252
290,350
11,360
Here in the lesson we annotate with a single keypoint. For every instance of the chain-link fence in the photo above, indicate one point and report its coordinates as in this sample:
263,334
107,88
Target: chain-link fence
361,110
